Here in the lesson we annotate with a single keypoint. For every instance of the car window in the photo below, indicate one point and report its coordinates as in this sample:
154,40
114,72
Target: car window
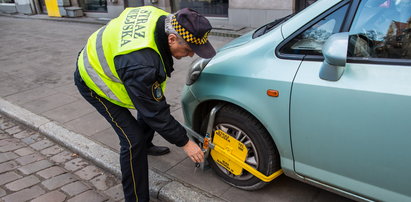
312,40
381,29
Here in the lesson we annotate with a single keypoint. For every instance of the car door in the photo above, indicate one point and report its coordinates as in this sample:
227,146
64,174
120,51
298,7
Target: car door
354,133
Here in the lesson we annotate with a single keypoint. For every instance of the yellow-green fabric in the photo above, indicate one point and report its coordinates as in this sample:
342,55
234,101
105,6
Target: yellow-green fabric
133,30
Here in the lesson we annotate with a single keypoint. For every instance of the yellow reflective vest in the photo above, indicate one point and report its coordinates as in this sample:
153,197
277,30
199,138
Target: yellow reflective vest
133,30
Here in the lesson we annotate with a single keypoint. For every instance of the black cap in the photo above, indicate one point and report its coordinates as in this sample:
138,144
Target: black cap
194,29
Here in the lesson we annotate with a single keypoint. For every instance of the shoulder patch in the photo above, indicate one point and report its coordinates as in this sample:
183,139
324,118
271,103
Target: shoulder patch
157,92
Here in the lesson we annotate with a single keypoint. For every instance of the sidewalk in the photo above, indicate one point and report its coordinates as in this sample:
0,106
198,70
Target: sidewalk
36,89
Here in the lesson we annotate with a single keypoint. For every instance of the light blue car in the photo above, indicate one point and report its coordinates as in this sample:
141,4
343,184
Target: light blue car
324,94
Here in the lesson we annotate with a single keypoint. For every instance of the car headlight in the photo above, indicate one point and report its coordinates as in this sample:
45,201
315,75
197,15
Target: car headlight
195,70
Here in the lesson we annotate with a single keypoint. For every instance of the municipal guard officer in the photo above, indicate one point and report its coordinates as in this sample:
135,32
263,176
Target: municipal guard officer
124,65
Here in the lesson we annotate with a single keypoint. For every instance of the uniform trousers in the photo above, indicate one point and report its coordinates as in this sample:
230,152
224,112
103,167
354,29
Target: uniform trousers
135,136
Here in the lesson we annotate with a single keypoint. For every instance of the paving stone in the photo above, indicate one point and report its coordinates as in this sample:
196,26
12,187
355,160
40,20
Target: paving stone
47,103
115,192
7,156
5,142
3,135
34,167
107,137
31,95
24,160
52,150
7,166
42,145
2,192
54,196
5,124
51,172
70,111
8,177
23,134
24,151
88,124
89,196
75,164
11,146
62,157
88,172
27,174
32,138
24,195
103,182
75,188
13,130
58,181
22,183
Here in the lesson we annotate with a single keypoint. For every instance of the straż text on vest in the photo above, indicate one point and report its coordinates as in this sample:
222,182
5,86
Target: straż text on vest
134,25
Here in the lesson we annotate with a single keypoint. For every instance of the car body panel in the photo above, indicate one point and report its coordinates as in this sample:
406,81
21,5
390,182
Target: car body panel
237,42
356,118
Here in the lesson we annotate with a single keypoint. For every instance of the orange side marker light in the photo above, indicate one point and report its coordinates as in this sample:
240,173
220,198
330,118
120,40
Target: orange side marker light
272,93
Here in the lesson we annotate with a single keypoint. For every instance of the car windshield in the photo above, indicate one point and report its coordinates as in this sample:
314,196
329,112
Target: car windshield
270,26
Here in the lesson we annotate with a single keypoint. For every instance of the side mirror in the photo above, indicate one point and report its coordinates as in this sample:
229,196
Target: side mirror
335,56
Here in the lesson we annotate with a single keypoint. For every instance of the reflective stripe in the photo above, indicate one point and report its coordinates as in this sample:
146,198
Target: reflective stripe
96,78
102,58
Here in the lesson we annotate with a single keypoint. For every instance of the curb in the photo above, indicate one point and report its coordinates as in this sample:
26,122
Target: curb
161,187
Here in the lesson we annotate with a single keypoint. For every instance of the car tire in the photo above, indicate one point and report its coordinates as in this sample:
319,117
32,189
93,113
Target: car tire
262,153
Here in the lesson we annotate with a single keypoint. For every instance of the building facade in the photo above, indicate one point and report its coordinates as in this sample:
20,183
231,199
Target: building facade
247,13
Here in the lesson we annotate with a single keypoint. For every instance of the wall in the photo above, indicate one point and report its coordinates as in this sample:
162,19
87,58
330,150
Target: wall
24,6
261,4
114,8
163,4
257,13
8,7
241,13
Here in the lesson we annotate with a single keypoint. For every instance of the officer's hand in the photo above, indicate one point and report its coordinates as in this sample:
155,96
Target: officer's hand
193,151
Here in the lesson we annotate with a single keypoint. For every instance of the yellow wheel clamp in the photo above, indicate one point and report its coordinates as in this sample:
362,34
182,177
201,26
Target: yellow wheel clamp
228,151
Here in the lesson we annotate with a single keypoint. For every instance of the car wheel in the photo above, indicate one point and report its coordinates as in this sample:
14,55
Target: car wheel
262,154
